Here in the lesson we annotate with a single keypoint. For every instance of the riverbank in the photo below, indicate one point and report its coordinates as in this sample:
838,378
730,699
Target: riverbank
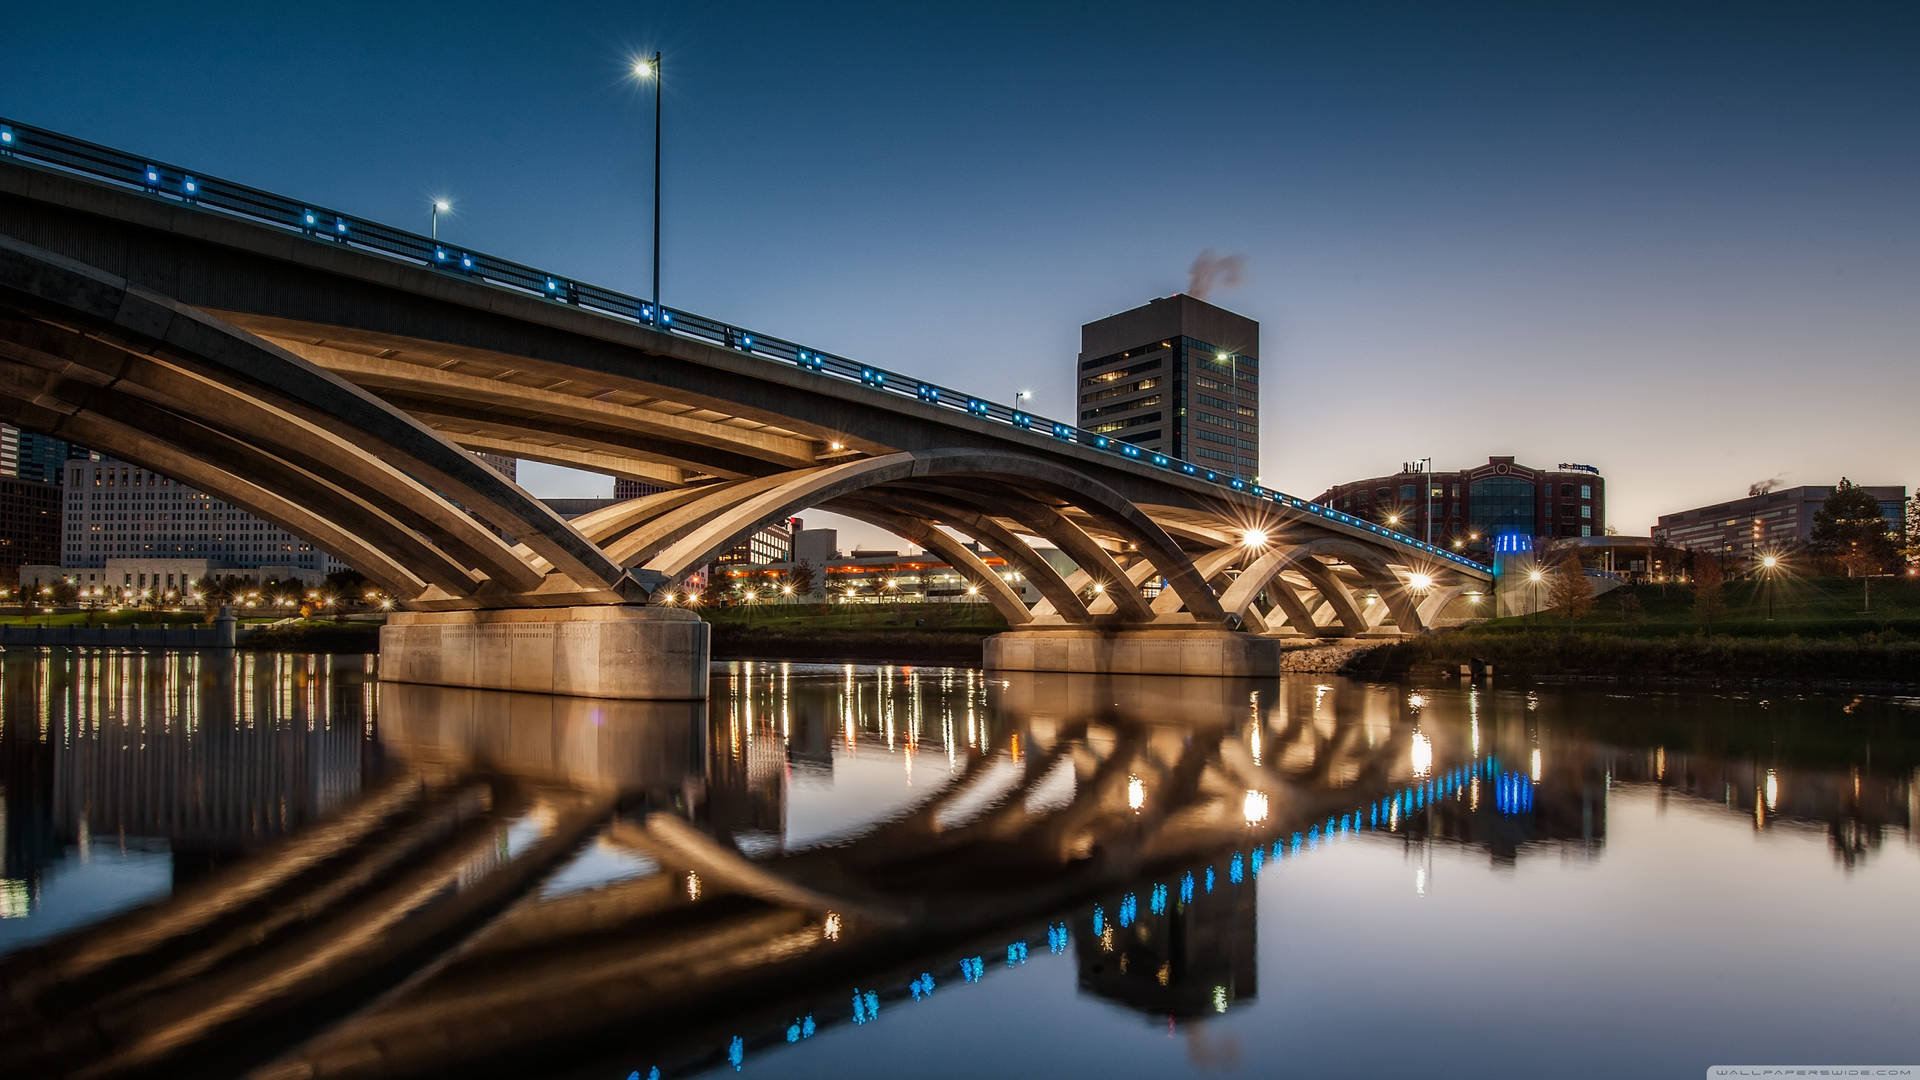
1876,660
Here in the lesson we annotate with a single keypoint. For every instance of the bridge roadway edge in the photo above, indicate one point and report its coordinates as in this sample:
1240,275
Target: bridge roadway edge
627,652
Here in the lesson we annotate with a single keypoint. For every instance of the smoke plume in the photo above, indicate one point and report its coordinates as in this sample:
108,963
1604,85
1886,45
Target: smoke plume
1764,486
1210,270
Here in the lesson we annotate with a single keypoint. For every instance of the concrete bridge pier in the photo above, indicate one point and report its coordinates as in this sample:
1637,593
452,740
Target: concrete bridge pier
630,652
1170,650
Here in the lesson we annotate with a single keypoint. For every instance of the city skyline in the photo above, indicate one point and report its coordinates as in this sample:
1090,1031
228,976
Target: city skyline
1445,225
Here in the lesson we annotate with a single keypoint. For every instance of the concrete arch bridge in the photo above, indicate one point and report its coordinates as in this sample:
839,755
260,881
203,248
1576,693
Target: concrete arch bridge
329,374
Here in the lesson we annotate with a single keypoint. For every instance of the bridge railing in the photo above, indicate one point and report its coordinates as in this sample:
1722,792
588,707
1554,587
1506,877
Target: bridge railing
200,191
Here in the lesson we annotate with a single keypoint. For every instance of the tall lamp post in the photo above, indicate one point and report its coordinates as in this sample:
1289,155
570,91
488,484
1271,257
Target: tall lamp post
1533,592
440,206
649,71
1020,396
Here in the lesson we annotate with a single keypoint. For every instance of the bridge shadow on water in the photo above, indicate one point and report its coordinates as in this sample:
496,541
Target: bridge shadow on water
478,883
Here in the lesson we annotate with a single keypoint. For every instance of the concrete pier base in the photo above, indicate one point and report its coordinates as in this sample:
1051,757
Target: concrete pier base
631,653
1146,651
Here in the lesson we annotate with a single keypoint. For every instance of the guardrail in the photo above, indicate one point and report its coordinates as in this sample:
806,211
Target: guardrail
189,188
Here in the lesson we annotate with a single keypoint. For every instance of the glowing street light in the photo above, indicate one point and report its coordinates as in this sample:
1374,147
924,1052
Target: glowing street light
648,70
1533,591
440,206
1253,538
1768,565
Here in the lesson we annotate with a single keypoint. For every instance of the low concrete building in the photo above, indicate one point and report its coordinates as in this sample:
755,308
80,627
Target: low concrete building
122,580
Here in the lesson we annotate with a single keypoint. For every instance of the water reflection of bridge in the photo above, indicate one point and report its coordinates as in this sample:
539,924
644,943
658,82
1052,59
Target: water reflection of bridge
416,929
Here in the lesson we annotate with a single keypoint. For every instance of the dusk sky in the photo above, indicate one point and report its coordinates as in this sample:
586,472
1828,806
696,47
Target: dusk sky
1679,242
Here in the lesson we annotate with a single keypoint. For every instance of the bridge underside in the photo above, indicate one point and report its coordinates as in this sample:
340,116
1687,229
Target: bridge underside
337,394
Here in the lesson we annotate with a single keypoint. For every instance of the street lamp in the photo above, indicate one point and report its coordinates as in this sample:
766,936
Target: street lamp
649,71
1020,396
440,206
1533,591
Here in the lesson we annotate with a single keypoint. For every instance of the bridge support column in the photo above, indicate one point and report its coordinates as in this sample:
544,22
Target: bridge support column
633,653
1194,650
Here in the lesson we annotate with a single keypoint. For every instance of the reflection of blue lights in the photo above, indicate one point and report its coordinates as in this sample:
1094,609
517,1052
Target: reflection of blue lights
1129,908
1209,881
1236,869
1259,856
921,986
1157,901
806,1027
972,968
1099,919
866,1005
1057,938
737,1052
1186,888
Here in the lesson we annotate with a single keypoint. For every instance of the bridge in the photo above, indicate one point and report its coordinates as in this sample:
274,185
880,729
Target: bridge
328,373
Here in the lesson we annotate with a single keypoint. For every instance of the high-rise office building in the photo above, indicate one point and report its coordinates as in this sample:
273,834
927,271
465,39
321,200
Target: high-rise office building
27,456
1177,375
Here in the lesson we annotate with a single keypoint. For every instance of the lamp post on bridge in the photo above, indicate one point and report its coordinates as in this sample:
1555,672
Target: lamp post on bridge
440,206
649,71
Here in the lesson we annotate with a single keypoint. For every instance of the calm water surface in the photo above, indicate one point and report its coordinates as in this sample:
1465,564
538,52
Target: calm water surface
273,866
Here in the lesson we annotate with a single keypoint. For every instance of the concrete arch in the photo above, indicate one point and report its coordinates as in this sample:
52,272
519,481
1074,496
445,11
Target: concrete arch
284,453
373,445
1063,602
991,585
676,542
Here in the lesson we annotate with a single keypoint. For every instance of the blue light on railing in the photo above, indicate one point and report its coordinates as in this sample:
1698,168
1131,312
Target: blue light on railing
439,254
466,262
153,175
189,185
746,341
1159,459
6,137
340,226
309,217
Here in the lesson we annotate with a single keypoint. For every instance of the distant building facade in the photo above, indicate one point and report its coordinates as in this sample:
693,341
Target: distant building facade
31,469
115,510
1177,375
1470,506
1767,520
29,525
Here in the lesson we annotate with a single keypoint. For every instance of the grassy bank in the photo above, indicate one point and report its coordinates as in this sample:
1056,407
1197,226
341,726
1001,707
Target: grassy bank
314,635
902,633
1822,631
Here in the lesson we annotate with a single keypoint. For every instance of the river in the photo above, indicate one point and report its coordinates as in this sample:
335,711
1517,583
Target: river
273,866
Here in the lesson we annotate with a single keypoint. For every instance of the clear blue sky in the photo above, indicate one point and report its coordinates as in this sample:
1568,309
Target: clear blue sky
1679,241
